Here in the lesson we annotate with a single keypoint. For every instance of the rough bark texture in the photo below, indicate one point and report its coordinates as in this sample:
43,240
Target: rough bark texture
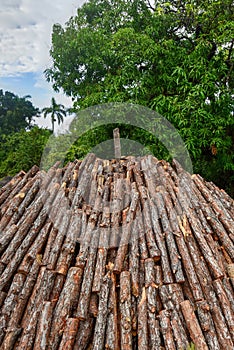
129,253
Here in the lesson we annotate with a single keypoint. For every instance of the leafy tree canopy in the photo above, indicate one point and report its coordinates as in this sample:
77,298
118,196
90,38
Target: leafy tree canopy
174,57
16,113
22,150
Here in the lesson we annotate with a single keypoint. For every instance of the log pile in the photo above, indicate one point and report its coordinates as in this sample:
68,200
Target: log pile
129,253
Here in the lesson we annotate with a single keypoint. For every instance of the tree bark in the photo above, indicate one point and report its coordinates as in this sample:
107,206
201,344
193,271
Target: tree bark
193,325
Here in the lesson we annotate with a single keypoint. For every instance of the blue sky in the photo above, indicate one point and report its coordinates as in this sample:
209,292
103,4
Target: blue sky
25,40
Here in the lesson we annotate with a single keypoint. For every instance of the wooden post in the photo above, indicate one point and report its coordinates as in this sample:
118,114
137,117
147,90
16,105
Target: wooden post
117,145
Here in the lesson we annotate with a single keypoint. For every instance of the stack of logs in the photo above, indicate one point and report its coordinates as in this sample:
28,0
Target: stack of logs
129,253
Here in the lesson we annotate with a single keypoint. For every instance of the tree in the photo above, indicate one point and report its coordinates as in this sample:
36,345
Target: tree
175,57
57,112
22,150
16,113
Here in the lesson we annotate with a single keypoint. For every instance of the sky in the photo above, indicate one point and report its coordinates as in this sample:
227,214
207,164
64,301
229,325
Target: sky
25,41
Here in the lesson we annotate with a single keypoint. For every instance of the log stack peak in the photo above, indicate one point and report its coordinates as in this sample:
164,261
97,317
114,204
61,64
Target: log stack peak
128,253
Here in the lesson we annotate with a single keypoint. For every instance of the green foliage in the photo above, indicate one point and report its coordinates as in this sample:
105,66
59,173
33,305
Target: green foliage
88,143
191,347
21,150
175,58
21,143
16,113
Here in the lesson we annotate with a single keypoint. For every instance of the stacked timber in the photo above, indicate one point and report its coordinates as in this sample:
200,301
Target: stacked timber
129,253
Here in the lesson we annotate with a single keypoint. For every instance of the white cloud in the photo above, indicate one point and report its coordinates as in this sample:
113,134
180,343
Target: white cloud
25,32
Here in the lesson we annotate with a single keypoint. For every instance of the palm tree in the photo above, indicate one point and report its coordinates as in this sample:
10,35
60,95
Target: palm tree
57,112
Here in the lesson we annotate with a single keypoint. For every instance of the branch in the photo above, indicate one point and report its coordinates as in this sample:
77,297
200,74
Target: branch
150,6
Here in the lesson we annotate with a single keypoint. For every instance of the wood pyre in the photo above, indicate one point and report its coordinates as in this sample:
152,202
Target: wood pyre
129,253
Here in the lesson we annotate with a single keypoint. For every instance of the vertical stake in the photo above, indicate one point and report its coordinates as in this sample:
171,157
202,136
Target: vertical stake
117,145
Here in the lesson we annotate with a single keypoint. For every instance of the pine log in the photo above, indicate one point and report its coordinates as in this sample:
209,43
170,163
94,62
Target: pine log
126,230
84,334
86,287
179,330
69,244
67,302
154,332
150,285
225,306
141,234
202,270
116,207
93,304
173,253
171,296
100,268
23,229
154,251
94,187
40,240
33,194
149,234
126,192
27,262
165,264
41,292
26,239
134,260
2,298
221,233
7,237
221,328
10,302
164,318
68,339
57,288
10,186
12,334
193,326
50,241
24,296
43,327
220,194
62,226
219,210
125,311
198,234
229,291
100,326
189,267
60,203
22,249
153,304
207,325
142,322
8,212
84,178
27,338
112,330
67,176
